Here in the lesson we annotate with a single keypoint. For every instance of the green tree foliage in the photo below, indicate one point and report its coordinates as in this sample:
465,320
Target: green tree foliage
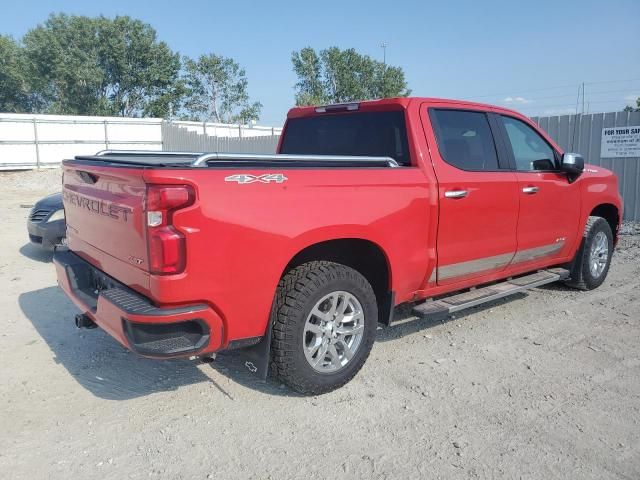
310,89
141,72
14,88
101,66
629,108
335,75
80,65
216,90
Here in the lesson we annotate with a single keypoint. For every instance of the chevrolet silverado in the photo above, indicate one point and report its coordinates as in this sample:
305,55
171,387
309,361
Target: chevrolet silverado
296,257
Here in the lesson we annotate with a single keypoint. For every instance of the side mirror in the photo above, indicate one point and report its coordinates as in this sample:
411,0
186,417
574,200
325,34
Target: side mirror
572,163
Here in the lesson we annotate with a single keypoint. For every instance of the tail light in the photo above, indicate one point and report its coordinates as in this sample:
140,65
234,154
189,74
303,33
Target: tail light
166,244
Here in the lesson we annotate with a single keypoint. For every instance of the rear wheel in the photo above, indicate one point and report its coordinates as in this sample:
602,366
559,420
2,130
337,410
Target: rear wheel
324,326
591,265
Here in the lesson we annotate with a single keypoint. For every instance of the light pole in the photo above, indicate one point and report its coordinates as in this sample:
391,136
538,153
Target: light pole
382,92
383,45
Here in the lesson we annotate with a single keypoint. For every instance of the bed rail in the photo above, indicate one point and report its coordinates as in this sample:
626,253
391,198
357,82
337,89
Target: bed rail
214,159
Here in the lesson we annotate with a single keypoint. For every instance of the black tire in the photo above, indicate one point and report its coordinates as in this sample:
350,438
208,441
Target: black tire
298,292
581,276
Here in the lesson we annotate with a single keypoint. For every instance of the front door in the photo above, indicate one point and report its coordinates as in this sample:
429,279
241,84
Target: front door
549,203
478,196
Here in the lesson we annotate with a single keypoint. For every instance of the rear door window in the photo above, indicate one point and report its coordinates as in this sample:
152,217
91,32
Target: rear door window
464,139
375,134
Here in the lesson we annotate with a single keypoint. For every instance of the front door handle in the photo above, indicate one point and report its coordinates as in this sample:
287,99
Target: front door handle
456,194
530,190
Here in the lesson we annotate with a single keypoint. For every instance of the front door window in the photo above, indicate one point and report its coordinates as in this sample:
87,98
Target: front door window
530,151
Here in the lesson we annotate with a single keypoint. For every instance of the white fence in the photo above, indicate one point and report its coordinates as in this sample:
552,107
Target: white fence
34,141
28,141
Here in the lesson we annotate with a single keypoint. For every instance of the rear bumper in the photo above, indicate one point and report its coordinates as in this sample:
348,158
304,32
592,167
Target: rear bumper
132,319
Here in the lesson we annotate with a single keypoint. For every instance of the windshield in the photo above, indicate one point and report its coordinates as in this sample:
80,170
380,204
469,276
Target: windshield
375,134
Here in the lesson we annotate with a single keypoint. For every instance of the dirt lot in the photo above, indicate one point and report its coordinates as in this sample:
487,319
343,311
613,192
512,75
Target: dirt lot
545,385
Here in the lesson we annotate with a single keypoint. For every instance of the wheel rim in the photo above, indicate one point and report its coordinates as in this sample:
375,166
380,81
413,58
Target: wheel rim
333,332
599,254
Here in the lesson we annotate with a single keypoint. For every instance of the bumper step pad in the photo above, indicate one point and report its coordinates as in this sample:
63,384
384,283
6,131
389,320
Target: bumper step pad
440,309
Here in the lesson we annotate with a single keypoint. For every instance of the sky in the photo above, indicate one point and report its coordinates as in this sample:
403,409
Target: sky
531,56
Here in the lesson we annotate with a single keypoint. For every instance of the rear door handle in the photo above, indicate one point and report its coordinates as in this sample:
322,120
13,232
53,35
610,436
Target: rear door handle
530,190
456,194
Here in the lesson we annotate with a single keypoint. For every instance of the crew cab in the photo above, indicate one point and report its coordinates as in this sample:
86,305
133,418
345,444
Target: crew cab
296,257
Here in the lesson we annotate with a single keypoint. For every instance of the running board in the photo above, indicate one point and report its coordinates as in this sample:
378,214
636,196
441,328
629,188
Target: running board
440,309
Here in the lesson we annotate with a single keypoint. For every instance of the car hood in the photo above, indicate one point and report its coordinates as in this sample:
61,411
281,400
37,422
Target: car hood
50,202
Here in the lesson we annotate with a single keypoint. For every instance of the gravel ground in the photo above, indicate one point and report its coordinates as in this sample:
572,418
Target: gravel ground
544,385
34,181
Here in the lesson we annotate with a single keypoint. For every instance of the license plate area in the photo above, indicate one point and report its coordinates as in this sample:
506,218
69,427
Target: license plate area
87,282
100,281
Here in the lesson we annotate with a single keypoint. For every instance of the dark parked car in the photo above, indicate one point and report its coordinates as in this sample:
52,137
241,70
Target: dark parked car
46,224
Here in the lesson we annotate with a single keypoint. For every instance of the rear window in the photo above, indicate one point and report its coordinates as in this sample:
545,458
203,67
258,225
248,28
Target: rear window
375,134
464,139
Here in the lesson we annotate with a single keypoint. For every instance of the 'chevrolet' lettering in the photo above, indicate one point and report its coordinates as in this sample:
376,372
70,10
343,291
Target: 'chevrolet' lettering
99,207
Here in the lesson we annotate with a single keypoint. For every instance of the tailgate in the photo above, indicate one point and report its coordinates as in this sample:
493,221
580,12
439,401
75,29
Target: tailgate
104,210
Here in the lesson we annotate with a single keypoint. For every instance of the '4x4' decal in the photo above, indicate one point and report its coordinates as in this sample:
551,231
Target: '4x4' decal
248,178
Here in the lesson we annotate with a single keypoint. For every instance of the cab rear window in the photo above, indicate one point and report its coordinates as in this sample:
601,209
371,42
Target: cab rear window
464,139
376,134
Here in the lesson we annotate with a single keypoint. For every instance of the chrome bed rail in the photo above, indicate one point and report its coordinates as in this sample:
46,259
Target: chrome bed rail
207,157
200,159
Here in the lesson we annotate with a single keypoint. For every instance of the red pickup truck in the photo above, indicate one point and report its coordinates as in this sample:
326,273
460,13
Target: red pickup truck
298,256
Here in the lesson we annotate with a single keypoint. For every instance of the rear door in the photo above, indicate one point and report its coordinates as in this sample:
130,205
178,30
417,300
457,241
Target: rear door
478,196
549,203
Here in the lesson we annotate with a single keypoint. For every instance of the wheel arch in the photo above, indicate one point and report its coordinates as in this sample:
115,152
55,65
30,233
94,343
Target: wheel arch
611,214
362,255
365,256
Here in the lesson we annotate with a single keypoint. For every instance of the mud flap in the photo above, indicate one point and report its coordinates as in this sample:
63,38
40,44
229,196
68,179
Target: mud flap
257,357
387,307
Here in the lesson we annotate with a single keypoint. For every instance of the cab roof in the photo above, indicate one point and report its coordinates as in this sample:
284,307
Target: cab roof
395,103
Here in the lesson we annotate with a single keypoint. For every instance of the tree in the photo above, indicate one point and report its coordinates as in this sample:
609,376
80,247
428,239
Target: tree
629,108
14,88
310,87
335,75
141,73
63,65
216,90
100,66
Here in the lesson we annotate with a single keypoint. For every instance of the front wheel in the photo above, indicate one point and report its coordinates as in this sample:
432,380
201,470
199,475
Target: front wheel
324,326
591,265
